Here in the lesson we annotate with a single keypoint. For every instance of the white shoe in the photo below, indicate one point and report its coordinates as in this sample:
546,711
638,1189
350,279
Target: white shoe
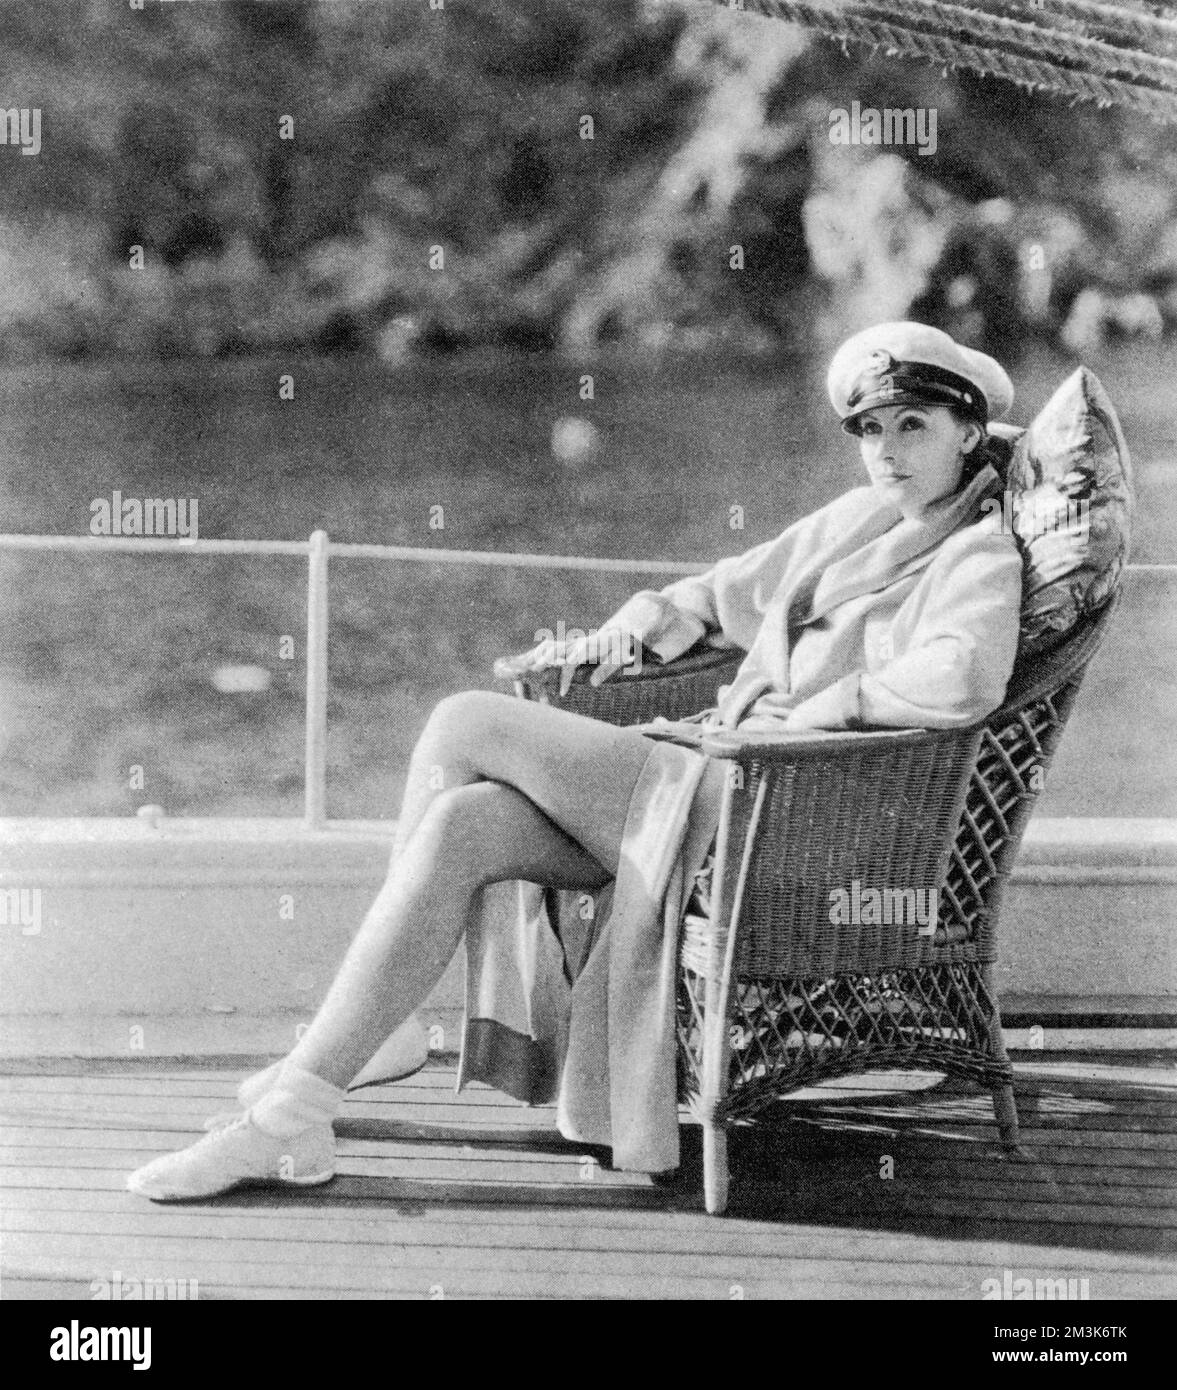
237,1154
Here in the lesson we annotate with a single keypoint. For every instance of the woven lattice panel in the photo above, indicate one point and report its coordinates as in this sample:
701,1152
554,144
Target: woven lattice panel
1009,775
789,1033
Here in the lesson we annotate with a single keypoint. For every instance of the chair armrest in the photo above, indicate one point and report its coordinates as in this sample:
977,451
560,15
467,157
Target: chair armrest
834,745
674,689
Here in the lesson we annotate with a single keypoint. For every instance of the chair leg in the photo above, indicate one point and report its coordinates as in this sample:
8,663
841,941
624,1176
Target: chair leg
716,1057
715,1171
1005,1109
717,1042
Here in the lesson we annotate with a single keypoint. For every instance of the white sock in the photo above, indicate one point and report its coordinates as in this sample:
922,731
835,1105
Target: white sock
297,1100
256,1085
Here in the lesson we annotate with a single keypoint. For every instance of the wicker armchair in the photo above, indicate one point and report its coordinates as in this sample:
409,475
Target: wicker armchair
773,995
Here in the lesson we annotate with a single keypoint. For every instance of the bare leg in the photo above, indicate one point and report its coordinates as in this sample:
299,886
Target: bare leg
505,811
579,772
528,793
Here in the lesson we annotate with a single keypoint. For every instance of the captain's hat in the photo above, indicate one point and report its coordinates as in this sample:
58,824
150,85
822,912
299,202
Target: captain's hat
913,364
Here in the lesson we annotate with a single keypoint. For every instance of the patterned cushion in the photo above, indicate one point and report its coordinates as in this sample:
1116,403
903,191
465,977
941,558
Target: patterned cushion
1069,502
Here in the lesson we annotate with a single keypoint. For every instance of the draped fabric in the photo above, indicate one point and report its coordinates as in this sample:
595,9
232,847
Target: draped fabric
599,1040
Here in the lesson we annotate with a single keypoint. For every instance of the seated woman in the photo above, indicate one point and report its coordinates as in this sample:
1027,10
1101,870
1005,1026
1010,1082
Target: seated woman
894,606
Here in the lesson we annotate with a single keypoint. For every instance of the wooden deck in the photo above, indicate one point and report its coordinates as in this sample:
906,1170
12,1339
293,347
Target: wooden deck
476,1196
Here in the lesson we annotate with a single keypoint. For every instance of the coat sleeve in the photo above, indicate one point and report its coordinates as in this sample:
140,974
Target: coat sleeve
670,621
955,668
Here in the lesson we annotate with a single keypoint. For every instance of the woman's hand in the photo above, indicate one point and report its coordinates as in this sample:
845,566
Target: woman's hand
609,650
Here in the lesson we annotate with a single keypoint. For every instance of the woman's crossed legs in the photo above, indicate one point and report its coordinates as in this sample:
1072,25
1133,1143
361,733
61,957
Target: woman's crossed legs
498,789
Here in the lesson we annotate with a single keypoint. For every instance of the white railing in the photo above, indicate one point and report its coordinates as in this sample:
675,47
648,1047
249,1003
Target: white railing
318,551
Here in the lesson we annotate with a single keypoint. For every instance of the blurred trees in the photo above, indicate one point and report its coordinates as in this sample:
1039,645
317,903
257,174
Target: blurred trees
463,129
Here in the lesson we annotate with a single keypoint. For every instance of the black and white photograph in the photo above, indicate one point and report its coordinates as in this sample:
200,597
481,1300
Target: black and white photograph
588,664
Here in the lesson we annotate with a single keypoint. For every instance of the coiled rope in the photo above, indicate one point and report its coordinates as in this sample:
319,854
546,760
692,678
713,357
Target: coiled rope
1016,50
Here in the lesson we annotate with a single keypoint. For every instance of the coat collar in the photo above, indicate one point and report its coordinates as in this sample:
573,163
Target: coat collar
883,549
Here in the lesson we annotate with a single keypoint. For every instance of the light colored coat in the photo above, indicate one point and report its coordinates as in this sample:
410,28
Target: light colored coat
854,616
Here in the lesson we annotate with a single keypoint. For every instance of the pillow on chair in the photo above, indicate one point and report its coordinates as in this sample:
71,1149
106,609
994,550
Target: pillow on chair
1069,503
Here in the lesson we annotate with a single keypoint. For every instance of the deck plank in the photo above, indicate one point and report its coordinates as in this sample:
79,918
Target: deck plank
475,1195
959,1182
931,1167
577,1223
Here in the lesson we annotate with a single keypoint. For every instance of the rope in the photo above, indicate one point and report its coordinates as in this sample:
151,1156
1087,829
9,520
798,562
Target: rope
1030,73
1134,26
1052,45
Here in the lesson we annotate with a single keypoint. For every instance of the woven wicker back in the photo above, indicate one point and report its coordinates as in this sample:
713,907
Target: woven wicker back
1018,742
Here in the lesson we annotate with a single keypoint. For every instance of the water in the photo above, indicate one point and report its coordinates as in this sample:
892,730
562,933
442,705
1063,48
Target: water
108,666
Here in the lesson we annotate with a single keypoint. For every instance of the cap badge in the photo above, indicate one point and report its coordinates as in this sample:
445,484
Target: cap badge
881,365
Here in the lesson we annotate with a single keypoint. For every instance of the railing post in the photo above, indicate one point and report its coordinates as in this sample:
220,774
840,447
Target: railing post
315,775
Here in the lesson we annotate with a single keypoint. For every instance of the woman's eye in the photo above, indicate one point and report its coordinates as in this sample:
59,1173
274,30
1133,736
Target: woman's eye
912,422
871,428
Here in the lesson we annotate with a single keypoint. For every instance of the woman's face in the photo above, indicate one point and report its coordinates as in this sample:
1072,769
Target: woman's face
915,454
